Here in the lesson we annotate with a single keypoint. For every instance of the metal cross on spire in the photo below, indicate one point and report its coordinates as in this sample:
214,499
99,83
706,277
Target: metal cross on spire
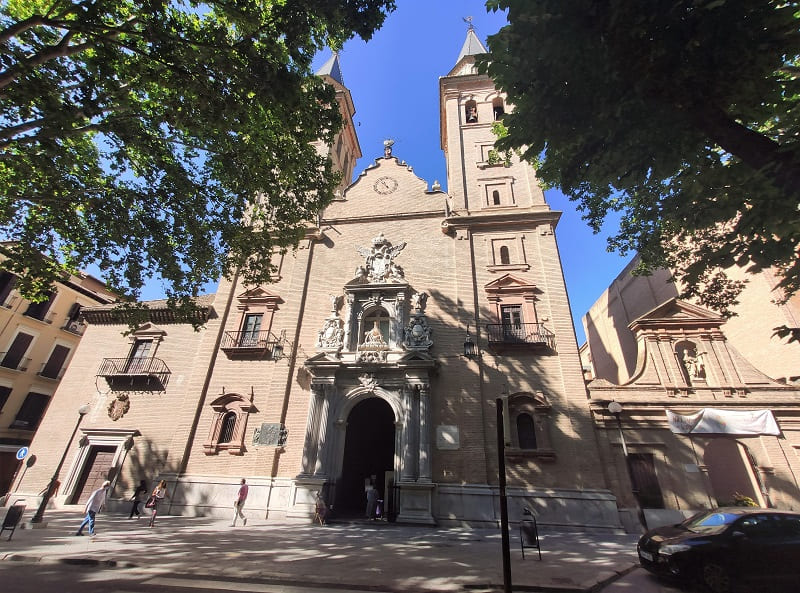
468,20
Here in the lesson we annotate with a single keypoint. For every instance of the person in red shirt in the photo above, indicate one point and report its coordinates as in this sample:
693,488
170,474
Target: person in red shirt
238,504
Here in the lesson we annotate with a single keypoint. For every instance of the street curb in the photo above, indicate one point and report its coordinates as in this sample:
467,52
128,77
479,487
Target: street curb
69,560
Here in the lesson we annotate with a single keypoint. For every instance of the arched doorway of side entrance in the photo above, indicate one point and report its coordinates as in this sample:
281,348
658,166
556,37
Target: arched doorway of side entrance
731,471
368,455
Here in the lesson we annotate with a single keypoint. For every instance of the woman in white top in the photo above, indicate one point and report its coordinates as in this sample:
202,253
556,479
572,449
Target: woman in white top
158,495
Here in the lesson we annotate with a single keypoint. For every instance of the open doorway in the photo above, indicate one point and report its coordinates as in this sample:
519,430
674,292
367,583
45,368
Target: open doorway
368,455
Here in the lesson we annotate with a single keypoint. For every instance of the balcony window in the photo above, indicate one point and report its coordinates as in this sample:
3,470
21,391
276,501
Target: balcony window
31,412
250,330
15,357
5,392
7,283
52,368
39,310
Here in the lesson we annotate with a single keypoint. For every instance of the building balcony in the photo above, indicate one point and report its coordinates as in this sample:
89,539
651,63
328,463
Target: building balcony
74,327
252,344
533,336
147,374
14,362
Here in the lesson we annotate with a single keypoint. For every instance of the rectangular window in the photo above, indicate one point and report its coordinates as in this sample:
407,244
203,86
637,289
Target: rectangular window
138,359
39,310
17,351
5,392
250,329
512,323
55,363
31,412
7,283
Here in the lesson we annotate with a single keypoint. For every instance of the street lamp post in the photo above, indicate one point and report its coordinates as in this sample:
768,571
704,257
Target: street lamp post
615,408
52,485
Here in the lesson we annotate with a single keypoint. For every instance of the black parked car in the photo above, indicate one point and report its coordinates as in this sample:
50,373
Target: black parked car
728,549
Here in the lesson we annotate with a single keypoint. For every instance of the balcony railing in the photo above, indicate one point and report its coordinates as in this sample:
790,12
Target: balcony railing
74,327
262,343
521,334
135,373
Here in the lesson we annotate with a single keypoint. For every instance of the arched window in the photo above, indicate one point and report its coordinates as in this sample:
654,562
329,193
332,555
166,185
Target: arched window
496,197
471,111
497,108
529,417
526,431
228,426
505,259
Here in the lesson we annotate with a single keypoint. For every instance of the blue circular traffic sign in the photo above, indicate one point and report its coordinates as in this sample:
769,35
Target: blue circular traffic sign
22,453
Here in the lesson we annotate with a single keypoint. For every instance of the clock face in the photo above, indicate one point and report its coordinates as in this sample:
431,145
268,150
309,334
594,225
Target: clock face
385,185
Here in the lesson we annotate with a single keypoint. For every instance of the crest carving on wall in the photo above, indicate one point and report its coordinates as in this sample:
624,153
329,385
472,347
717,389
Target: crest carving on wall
119,406
379,266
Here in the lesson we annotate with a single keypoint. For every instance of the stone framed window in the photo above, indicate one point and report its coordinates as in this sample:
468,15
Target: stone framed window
498,108
506,253
497,192
528,415
228,424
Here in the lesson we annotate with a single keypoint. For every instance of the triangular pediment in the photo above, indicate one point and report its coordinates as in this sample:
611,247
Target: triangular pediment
149,329
510,283
259,294
676,313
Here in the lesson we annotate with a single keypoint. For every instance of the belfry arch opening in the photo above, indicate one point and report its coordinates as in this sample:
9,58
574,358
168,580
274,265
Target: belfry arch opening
368,455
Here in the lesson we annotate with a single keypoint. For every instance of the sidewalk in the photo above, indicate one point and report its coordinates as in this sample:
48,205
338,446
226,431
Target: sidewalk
373,556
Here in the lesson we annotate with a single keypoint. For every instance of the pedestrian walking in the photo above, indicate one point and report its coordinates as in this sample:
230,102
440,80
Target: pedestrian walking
97,501
136,499
372,502
159,493
238,504
320,509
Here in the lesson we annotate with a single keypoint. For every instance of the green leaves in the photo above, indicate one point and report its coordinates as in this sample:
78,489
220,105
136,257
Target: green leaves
683,116
138,135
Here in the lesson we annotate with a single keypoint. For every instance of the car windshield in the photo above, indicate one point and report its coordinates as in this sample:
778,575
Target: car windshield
710,522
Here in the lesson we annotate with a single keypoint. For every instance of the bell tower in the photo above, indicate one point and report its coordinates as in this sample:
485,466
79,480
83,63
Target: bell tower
513,297
345,150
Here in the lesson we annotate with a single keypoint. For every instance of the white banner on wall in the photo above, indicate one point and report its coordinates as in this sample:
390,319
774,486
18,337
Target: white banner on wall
713,421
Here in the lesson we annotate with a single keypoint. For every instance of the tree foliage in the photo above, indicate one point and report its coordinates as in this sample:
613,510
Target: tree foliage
683,115
135,134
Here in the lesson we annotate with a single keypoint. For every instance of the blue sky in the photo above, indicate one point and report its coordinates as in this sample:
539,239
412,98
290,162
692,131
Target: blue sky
394,80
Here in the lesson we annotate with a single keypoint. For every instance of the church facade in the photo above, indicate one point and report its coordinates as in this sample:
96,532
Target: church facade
378,357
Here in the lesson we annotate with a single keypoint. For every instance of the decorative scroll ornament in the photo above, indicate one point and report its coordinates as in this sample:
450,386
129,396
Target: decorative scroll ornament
119,406
331,336
379,267
368,381
417,334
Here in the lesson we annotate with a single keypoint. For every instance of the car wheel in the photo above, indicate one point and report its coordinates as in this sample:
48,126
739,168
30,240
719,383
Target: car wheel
716,578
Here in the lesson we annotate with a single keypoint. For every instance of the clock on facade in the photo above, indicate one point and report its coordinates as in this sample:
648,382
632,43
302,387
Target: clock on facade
385,185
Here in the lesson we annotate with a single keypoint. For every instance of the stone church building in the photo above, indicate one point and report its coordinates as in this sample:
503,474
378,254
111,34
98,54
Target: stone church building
350,369
378,357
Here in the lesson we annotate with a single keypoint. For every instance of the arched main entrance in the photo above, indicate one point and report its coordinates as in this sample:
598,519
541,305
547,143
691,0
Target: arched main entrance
368,452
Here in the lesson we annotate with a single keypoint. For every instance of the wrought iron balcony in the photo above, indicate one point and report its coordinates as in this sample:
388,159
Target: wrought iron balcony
533,335
248,343
135,373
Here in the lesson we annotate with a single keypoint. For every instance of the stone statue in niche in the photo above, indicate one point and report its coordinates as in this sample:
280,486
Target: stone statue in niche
379,267
374,337
693,364
418,300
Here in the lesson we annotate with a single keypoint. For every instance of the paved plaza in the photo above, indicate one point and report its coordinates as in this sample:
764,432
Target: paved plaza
373,556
